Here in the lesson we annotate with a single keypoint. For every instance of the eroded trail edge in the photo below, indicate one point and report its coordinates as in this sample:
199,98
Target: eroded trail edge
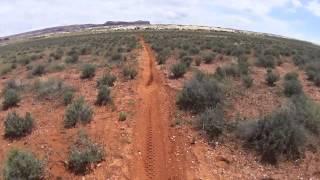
154,152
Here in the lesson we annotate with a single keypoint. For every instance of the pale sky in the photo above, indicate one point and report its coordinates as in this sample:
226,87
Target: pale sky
294,18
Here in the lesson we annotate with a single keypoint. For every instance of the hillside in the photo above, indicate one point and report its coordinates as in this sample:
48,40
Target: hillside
159,102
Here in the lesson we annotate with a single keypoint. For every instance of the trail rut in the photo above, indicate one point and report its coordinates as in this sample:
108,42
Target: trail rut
154,152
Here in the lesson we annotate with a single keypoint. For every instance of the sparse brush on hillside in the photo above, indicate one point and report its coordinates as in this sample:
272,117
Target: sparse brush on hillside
16,126
292,85
103,96
106,80
39,70
50,89
84,153
212,122
178,70
199,94
283,133
129,72
271,77
11,99
88,71
22,165
77,111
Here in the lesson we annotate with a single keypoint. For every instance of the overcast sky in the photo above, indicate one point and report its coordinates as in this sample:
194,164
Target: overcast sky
294,18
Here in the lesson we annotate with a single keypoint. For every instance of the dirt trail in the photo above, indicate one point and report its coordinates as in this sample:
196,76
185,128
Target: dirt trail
154,152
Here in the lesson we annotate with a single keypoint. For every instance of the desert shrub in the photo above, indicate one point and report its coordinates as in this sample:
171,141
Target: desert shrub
103,96
5,69
208,58
200,94
220,73
178,70
16,126
243,66
12,84
267,61
22,165
50,89
129,72
116,57
56,67
187,60
212,122
316,79
77,111
291,76
292,85
106,80
122,116
57,54
275,135
198,61
83,154
68,97
231,70
271,77
247,81
72,59
88,71
11,98
283,133
39,70
194,51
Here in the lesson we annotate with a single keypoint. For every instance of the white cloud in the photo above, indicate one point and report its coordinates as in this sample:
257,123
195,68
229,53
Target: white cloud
314,7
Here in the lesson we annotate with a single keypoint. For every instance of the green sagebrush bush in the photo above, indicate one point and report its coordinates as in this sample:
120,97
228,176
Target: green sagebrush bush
84,153
212,122
11,99
292,85
283,133
77,111
88,71
106,80
199,94
271,77
178,70
16,126
103,96
22,165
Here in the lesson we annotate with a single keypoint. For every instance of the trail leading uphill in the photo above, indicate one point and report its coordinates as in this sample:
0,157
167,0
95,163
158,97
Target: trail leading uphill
154,153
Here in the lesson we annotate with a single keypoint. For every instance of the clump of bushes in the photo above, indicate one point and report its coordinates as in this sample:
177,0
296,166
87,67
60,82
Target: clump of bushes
283,133
292,84
16,126
39,70
271,77
103,96
57,54
129,72
247,81
68,97
106,80
178,70
187,60
200,93
208,58
83,154
22,165
50,89
266,61
88,71
212,122
77,111
72,59
11,99
313,73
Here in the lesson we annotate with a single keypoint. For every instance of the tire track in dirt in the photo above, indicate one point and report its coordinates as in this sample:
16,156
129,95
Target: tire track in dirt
154,152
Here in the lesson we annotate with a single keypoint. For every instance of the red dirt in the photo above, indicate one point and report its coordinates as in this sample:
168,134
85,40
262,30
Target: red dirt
155,155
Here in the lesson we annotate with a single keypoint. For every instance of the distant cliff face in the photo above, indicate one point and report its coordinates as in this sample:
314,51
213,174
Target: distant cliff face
126,23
